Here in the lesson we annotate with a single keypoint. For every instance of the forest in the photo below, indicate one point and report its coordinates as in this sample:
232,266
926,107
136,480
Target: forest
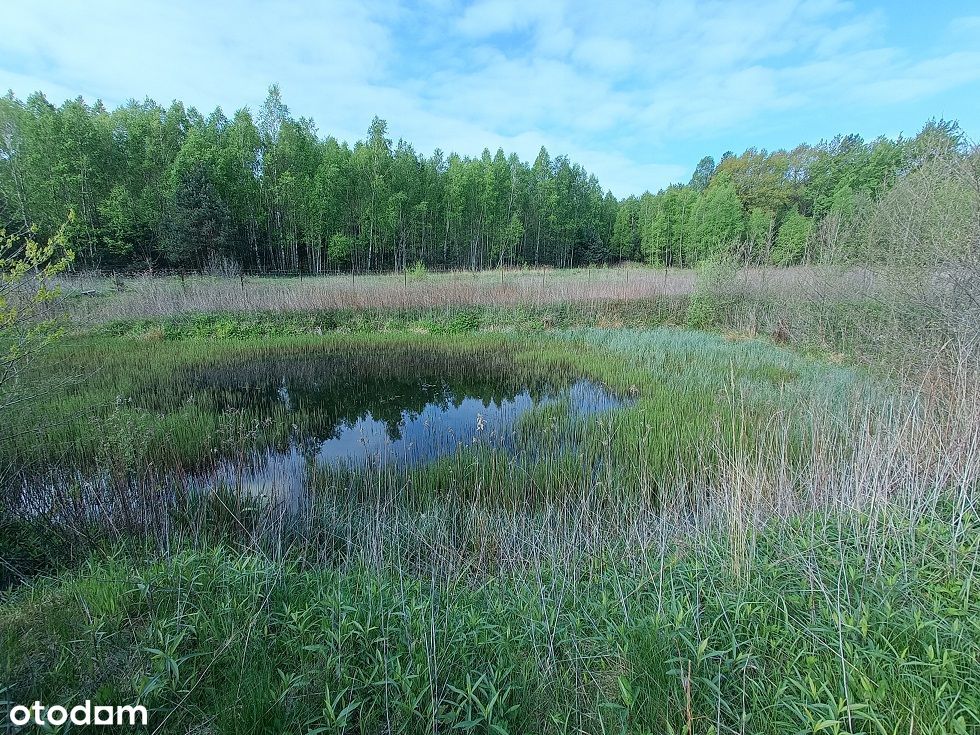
146,188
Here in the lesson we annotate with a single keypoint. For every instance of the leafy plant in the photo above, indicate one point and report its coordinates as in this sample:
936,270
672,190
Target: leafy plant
418,271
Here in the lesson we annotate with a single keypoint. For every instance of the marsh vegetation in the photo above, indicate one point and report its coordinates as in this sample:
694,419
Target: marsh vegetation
633,528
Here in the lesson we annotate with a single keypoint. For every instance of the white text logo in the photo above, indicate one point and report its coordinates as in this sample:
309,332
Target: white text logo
82,714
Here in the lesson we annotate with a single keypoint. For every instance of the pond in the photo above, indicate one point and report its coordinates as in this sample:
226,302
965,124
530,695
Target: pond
354,415
273,418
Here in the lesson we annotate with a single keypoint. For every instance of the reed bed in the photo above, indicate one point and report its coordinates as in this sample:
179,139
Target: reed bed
165,403
96,299
758,541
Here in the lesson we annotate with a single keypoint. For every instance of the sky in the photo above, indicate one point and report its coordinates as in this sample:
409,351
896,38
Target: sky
637,92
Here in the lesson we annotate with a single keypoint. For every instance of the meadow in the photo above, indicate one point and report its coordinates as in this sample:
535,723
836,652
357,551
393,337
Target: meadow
760,531
96,298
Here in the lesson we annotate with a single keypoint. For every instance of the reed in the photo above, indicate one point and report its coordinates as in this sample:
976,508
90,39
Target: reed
756,541
94,299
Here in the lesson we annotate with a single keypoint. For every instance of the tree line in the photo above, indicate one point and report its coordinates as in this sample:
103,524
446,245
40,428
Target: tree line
763,207
143,186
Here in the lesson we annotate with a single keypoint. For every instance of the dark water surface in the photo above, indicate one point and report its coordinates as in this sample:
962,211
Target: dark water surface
352,410
376,410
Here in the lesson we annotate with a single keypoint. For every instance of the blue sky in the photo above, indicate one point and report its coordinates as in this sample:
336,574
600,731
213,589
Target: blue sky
636,92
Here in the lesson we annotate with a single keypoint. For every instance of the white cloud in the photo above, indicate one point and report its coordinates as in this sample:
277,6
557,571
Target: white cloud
211,53
966,25
488,17
923,78
493,16
605,53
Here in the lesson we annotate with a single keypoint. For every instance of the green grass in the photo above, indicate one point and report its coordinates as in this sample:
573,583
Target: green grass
588,584
131,407
101,397
448,320
811,637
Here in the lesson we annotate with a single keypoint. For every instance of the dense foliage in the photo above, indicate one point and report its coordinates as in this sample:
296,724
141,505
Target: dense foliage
171,187
168,187
763,206
224,642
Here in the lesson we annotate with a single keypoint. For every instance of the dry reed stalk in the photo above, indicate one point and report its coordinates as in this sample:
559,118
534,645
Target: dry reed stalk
150,297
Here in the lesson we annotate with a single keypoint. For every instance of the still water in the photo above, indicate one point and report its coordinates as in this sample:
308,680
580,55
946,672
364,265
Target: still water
353,411
394,423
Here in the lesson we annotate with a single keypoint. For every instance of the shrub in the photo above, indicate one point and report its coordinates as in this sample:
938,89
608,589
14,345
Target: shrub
418,272
714,291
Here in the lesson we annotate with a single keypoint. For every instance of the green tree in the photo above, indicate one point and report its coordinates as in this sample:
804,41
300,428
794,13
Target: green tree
717,221
668,232
760,230
792,240
340,251
238,180
200,223
626,237
593,249
26,269
120,222
513,235
287,190
702,174
842,203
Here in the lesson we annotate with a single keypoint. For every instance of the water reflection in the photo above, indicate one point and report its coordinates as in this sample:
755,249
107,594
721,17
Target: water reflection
443,425
282,418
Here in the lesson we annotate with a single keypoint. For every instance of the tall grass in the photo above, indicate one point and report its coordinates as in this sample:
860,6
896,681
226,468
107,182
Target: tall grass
835,592
151,408
759,542
92,300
